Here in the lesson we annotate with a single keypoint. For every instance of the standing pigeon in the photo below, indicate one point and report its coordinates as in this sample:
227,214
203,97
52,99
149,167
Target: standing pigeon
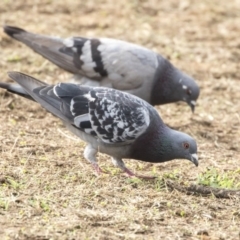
110,121
115,64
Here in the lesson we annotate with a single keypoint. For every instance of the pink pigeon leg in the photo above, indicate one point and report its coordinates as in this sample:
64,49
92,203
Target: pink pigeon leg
119,163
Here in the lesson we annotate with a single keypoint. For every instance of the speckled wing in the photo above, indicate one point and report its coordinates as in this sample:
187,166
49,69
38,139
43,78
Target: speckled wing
107,114
110,115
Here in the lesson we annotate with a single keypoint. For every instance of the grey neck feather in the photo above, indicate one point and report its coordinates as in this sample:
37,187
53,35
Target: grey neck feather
155,144
165,83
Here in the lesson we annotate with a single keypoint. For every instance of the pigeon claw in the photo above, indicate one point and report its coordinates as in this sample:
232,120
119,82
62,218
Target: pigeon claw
131,174
98,170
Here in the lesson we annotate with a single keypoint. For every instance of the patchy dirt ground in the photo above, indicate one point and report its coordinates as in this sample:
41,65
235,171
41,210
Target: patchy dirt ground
47,189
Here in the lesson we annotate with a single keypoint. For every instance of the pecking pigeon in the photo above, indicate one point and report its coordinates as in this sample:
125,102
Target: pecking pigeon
110,121
114,64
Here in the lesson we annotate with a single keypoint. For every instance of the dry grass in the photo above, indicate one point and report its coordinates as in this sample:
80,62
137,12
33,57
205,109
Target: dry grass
47,189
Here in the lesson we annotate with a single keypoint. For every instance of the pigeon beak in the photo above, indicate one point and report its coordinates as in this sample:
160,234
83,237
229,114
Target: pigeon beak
194,159
192,105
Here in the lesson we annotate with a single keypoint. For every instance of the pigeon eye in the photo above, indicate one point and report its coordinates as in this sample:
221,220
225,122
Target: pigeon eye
189,92
186,145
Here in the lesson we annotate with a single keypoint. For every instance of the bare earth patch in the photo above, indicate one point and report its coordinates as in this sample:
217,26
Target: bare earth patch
48,190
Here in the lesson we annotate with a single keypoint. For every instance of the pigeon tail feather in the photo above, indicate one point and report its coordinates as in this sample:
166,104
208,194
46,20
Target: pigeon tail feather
11,31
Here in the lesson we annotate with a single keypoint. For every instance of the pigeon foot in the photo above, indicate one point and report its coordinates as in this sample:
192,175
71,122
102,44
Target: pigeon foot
131,174
98,170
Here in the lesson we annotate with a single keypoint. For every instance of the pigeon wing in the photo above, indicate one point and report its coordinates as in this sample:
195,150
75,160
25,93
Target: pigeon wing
110,115
119,64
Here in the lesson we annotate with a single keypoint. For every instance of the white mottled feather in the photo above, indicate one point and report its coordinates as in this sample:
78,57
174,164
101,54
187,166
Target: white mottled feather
81,118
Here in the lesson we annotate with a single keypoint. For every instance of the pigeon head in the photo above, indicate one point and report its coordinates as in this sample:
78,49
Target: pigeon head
172,85
161,144
182,146
188,90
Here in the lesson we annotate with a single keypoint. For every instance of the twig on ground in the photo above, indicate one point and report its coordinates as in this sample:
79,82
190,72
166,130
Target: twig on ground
204,190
